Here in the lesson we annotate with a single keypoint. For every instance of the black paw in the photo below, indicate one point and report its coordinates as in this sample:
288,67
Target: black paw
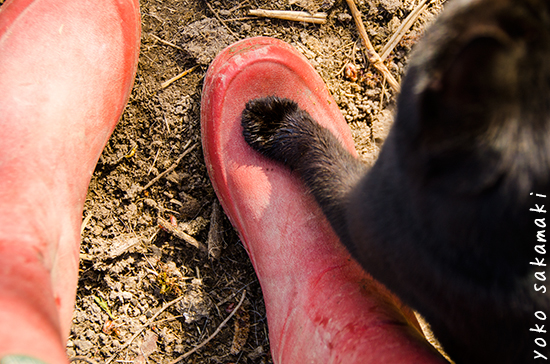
277,128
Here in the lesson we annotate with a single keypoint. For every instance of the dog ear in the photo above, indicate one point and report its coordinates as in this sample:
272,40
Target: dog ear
467,94
455,94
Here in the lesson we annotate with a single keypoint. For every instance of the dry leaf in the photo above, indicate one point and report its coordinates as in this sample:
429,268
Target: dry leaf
242,328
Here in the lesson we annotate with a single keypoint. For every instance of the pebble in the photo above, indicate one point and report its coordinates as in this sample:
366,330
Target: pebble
84,345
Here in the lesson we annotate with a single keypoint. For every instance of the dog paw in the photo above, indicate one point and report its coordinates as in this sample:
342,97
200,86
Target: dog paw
278,128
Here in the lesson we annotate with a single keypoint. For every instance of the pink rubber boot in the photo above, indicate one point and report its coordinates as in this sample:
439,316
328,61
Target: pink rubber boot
66,71
321,306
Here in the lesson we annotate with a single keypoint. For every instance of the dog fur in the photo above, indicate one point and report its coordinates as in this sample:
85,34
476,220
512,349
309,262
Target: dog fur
450,214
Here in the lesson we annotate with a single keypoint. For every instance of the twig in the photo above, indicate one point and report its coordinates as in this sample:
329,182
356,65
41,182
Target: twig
238,6
342,69
175,78
214,334
152,319
85,223
167,226
156,323
373,57
156,17
214,241
166,42
221,20
154,161
403,29
166,123
244,18
171,168
317,18
82,358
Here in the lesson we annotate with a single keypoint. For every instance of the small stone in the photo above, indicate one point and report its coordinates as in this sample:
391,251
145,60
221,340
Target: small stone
150,202
258,352
83,345
246,28
344,17
390,5
204,39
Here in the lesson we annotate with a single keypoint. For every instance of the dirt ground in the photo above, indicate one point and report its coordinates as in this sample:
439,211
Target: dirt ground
130,268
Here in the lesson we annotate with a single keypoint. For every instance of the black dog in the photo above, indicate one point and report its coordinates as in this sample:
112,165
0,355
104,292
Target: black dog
451,217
